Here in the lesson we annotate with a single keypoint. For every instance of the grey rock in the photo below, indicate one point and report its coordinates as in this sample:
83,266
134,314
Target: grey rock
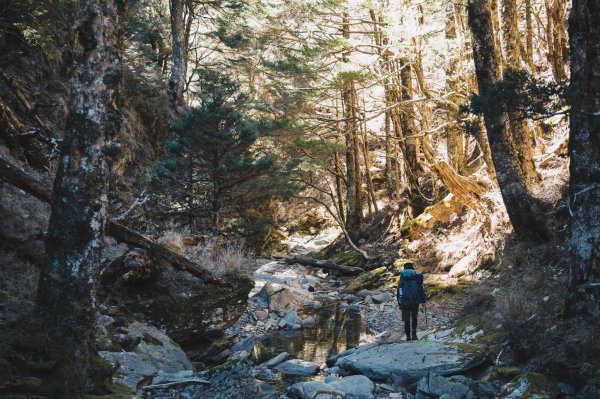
233,380
155,352
246,345
265,374
308,322
329,379
292,318
353,387
163,377
275,361
405,363
365,293
261,314
451,388
314,389
297,367
383,297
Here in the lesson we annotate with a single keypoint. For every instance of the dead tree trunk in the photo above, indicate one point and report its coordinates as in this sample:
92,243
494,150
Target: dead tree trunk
523,211
584,150
66,294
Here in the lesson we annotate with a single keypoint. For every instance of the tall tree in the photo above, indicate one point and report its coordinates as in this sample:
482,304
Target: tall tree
521,139
523,211
584,150
66,296
178,61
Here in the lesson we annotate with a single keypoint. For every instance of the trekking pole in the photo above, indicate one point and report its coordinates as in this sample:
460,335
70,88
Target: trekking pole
425,306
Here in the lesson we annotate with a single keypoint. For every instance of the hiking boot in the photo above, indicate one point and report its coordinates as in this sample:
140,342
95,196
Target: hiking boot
414,335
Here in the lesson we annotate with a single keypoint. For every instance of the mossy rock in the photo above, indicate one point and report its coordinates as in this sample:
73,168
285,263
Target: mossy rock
436,287
398,265
370,280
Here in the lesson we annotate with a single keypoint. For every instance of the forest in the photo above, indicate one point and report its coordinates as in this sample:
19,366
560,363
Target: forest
222,198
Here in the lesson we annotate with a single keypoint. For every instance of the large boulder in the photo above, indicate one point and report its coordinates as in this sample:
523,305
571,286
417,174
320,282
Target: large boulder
404,363
370,280
282,298
152,351
184,306
353,387
455,387
297,367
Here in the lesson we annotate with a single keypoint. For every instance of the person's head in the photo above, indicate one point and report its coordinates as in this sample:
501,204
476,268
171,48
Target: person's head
409,265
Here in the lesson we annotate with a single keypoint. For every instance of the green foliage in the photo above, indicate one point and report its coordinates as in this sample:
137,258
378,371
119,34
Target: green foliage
218,168
520,94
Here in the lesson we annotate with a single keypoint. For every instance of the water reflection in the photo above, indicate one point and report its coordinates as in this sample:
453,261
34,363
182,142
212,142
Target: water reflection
336,329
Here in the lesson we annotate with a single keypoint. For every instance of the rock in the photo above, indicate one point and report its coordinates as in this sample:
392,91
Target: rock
314,389
282,298
384,297
233,380
282,323
161,295
452,387
163,377
265,374
405,363
369,300
365,293
369,280
155,352
353,387
240,355
297,367
275,361
309,322
296,327
261,314
246,345
329,379
292,318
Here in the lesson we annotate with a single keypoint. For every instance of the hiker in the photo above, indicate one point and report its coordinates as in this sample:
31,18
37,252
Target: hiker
410,294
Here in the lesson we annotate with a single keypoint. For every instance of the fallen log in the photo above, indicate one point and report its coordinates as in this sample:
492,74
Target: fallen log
306,261
16,177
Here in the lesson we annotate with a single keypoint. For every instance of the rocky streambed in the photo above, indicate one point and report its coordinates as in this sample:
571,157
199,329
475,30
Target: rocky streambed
309,334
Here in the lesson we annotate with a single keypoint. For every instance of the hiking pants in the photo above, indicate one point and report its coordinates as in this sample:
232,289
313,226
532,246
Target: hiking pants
410,313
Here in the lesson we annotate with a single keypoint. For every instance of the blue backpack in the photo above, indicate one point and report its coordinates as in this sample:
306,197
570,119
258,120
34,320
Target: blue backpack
410,288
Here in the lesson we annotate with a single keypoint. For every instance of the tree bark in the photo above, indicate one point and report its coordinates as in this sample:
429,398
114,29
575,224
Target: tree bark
178,61
523,211
66,293
584,151
520,138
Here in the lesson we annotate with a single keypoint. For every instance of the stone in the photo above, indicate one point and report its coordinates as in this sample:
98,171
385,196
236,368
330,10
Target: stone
275,361
163,377
233,380
297,367
309,322
292,318
353,387
246,345
383,297
261,314
282,323
453,387
369,280
281,298
365,293
182,304
155,352
405,363
329,379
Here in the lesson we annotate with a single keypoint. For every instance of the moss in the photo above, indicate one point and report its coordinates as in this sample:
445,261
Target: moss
541,385
502,375
399,264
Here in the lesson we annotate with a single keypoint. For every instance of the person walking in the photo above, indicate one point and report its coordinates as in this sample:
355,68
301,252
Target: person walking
410,295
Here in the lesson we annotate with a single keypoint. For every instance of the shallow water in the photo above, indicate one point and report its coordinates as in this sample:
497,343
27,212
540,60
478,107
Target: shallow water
336,329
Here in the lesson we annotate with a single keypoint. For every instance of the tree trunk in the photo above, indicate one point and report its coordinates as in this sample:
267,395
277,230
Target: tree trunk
529,37
66,294
521,140
523,212
584,151
178,62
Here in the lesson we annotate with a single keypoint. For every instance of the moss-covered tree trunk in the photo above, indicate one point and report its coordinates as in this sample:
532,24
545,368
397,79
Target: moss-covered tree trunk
523,211
521,139
584,150
66,296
